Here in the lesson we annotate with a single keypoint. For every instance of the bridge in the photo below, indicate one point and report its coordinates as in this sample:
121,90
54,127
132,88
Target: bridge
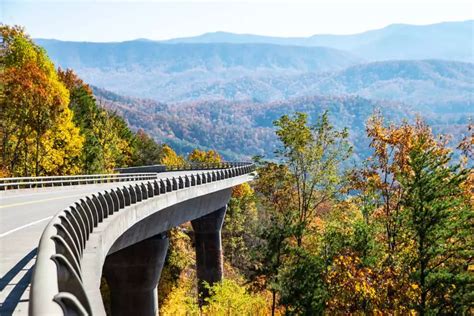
60,235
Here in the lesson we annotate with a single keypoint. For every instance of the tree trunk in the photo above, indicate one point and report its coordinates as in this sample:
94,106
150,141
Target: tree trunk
273,301
422,277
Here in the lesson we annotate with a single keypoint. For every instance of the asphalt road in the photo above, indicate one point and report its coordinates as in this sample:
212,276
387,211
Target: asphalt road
24,214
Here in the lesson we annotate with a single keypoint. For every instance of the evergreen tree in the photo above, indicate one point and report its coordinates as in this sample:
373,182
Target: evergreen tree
438,217
146,150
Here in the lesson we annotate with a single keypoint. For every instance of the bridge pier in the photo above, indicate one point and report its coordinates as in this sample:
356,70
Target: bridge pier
133,274
209,260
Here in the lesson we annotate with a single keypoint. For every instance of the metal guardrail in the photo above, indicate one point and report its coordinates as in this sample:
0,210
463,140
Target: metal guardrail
134,174
205,166
41,182
57,287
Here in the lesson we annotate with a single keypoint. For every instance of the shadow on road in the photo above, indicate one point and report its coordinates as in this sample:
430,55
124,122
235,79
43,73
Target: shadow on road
11,301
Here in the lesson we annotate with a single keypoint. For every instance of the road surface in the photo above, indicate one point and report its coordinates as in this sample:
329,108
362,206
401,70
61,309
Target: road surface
24,214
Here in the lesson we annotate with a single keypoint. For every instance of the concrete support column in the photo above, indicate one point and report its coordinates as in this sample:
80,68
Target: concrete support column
207,232
133,274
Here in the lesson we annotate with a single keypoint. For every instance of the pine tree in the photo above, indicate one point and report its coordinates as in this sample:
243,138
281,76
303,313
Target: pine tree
438,217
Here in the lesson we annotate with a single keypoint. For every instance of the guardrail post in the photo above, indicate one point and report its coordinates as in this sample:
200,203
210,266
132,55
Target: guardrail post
133,274
207,232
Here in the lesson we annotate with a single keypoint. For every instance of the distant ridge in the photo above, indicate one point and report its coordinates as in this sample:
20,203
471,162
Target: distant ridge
445,40
180,57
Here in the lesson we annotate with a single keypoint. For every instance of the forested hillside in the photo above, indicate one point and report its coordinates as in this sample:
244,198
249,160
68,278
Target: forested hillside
244,129
391,236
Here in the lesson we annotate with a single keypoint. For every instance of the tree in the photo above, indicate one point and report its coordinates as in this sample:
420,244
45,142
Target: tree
170,157
277,200
301,283
292,194
226,298
438,216
89,118
34,102
382,199
146,151
229,298
63,147
313,154
199,156
239,227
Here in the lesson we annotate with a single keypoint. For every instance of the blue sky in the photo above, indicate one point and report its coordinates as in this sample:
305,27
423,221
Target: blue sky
107,20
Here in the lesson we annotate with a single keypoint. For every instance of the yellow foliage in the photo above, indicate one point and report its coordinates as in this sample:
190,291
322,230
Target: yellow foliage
229,298
62,147
201,156
242,191
170,157
34,111
182,301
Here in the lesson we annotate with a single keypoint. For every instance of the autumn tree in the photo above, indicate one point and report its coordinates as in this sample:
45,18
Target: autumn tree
200,156
276,199
109,142
294,192
90,120
313,154
239,228
34,104
170,157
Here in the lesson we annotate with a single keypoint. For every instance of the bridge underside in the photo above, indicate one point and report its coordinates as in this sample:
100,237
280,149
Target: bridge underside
205,211
133,266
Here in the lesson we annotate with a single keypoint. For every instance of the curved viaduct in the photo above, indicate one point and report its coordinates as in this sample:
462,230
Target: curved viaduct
111,225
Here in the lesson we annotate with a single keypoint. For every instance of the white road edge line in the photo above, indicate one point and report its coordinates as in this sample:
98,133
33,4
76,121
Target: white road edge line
24,226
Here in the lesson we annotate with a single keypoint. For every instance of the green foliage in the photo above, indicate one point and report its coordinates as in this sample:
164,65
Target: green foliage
146,151
239,224
439,218
314,155
109,142
302,287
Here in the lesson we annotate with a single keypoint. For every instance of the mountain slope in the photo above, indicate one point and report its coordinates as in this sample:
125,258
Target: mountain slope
242,129
433,85
173,58
167,71
447,40
259,72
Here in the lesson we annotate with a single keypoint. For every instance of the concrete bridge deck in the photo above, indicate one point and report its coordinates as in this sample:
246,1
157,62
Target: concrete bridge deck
24,215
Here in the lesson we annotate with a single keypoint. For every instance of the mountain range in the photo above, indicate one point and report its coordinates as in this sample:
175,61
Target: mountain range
249,67
222,90
447,40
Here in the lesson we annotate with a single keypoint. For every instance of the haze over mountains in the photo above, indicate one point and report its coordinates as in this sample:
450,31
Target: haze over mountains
447,40
217,77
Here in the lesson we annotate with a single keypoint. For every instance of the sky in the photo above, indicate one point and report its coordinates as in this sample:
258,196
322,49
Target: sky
109,20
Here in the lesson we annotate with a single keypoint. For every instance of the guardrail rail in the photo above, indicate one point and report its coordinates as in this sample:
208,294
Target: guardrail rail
133,175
